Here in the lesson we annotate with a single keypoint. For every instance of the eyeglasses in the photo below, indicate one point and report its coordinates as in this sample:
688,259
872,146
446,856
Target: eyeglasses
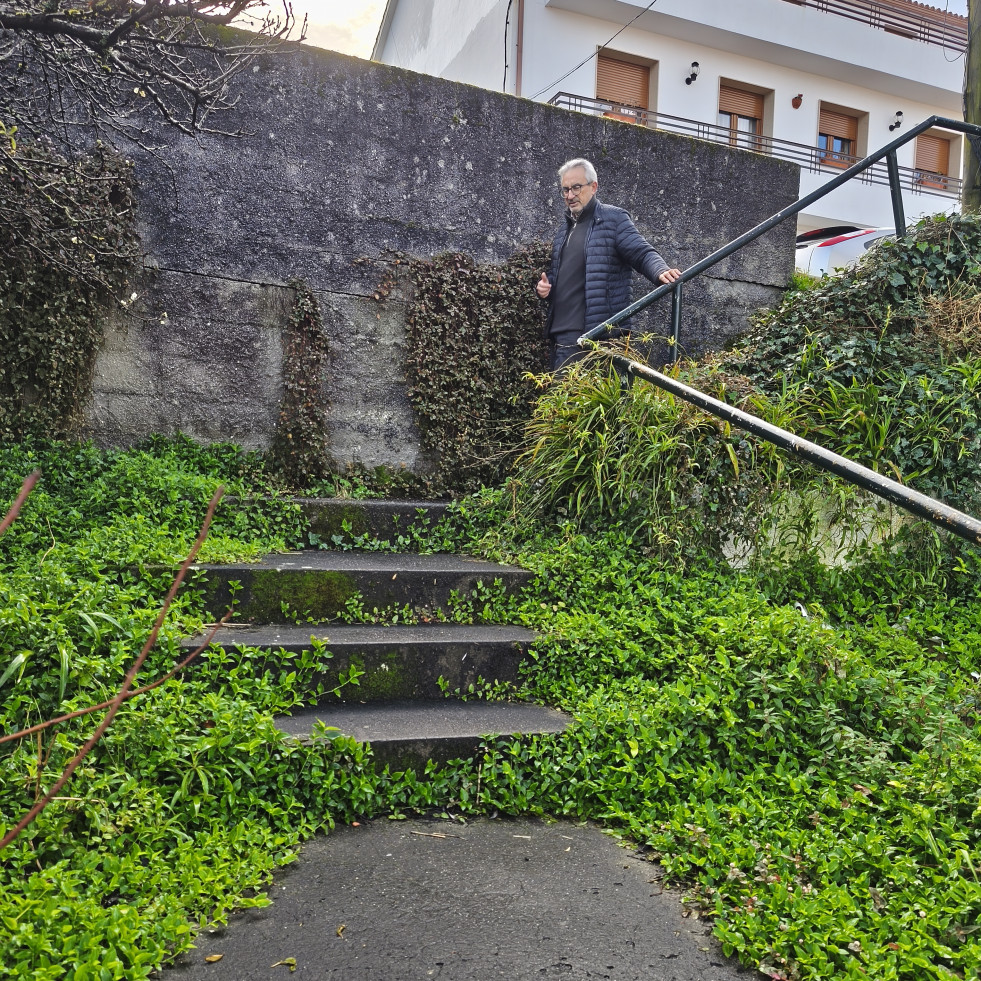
575,189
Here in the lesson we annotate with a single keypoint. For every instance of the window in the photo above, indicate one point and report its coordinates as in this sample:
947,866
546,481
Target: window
626,85
932,160
741,113
837,138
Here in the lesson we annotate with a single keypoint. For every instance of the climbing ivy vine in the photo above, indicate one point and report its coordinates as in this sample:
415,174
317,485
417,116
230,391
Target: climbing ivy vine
67,243
474,333
299,447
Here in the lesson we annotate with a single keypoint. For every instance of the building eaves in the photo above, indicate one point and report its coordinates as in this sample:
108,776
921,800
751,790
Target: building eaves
383,28
936,12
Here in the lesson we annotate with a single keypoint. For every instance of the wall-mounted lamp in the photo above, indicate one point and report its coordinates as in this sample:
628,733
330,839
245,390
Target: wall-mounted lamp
797,100
694,73
897,122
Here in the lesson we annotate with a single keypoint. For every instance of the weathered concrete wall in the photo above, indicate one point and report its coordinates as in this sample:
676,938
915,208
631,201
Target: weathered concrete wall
348,161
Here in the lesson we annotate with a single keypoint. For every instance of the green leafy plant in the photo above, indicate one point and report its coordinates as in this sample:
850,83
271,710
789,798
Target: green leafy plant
299,446
68,242
474,333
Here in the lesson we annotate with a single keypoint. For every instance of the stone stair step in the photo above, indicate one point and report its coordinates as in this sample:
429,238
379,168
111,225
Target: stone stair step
407,734
318,583
399,661
382,520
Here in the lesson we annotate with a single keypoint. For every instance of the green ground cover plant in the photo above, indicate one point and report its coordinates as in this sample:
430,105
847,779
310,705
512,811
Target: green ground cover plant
799,744
812,780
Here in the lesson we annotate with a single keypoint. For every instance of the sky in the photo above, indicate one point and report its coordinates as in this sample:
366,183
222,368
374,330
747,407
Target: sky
349,26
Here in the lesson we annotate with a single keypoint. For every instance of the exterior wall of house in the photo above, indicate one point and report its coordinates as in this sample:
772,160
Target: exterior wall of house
425,36
779,48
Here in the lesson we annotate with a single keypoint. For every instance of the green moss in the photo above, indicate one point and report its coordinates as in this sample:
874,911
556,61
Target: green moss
328,522
310,593
384,678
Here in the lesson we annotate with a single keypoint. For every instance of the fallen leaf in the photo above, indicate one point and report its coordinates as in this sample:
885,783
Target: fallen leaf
213,958
289,962
341,929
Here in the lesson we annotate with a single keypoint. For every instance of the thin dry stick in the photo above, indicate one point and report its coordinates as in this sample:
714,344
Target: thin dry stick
28,818
25,489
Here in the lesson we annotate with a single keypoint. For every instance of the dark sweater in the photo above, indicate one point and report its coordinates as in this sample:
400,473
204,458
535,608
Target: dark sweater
569,290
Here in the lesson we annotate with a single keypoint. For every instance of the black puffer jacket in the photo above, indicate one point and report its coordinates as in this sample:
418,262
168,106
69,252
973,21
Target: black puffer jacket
614,248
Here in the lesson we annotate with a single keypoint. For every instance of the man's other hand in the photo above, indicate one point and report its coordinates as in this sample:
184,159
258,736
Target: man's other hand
543,287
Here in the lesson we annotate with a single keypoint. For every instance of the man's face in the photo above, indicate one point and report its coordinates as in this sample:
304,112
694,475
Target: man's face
577,192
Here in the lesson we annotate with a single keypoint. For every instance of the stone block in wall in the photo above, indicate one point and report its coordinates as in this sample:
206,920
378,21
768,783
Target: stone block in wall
192,354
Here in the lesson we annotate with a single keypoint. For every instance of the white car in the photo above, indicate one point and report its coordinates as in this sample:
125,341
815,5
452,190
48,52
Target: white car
827,252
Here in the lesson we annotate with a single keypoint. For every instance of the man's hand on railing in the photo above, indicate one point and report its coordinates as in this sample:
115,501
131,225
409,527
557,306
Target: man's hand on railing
669,276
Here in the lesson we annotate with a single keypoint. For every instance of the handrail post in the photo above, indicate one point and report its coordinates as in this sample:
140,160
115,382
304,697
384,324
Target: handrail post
675,322
895,189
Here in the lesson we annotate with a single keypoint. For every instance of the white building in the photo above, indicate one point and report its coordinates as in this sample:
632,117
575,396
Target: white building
820,82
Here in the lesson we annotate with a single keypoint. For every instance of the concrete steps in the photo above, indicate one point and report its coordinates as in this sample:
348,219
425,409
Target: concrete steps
397,661
320,584
399,706
407,734
382,520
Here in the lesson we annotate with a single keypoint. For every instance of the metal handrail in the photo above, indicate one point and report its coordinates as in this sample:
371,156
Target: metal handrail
811,157
921,505
887,153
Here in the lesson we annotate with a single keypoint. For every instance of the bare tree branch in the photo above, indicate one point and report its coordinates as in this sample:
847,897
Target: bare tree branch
25,489
106,62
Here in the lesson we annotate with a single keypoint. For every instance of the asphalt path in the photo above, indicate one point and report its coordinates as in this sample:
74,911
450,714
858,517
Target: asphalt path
433,898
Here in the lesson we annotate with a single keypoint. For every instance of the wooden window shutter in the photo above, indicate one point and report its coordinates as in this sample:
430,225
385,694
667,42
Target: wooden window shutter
933,154
838,124
622,82
741,103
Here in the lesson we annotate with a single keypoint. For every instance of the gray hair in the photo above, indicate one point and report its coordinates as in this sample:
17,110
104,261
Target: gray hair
587,167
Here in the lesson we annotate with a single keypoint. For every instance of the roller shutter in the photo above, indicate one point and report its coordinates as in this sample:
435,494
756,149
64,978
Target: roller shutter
622,82
741,103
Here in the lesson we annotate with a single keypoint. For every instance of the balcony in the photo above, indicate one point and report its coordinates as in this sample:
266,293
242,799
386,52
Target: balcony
927,25
812,159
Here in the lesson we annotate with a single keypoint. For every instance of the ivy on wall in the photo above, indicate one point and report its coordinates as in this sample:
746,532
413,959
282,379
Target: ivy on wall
67,242
299,447
474,332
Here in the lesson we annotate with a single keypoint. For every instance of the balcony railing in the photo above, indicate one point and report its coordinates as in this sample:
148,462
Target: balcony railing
811,158
936,27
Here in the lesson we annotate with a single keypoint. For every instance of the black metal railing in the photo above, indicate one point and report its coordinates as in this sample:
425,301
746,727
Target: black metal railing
811,158
918,504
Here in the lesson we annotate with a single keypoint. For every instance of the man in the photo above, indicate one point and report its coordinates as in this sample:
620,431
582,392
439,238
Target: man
593,256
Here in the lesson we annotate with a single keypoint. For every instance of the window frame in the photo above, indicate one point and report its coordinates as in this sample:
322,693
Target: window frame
926,176
742,105
837,138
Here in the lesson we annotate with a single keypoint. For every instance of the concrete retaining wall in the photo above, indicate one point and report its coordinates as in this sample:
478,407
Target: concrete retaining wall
346,161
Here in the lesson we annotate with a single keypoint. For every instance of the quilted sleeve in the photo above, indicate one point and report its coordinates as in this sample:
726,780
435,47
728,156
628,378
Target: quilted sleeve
636,251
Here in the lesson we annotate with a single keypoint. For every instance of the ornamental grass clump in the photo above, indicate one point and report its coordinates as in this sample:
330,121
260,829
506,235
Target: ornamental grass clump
598,454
